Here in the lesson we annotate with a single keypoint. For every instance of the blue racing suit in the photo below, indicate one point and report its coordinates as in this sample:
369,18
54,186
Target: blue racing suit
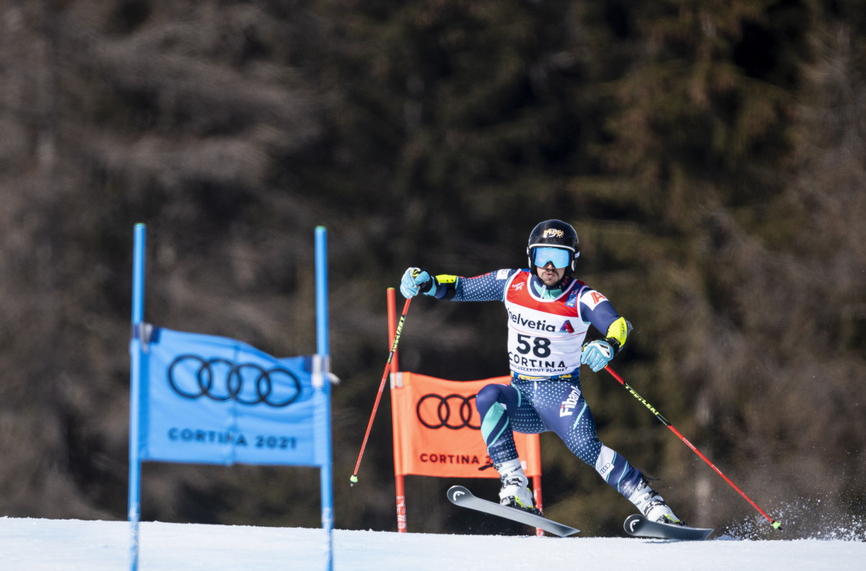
546,333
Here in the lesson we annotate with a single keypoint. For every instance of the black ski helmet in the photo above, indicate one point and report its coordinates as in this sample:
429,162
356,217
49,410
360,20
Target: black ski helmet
555,234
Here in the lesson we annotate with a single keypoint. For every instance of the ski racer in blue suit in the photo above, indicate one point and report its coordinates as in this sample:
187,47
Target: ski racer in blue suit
549,315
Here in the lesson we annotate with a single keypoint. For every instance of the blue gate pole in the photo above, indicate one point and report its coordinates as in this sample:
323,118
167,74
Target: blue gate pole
322,349
134,513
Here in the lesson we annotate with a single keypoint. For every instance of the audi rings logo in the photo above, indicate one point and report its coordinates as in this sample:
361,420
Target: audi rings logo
453,411
192,377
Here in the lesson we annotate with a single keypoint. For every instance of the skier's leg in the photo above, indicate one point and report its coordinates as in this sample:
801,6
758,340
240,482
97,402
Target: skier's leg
572,420
633,485
497,404
493,402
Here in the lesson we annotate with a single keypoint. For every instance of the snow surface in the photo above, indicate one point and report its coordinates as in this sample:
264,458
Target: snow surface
60,545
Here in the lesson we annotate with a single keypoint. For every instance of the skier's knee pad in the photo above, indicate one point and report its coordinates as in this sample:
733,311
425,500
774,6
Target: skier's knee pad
604,462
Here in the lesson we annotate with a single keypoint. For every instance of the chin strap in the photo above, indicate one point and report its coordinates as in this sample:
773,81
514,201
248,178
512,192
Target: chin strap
546,292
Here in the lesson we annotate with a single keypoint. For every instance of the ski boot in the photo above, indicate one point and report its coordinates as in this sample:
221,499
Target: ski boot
515,492
652,505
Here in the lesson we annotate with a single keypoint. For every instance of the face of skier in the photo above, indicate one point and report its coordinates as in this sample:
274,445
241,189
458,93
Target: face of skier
549,275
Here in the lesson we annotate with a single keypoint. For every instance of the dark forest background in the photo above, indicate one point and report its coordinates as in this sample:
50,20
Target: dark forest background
712,156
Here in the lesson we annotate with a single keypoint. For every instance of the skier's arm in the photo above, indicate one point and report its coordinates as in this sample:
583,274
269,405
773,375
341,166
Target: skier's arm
486,287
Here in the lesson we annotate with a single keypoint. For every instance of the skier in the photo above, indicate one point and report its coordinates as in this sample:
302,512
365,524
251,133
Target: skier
549,314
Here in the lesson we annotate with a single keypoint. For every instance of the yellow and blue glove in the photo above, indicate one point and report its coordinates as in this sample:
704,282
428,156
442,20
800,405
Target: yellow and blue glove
596,354
415,281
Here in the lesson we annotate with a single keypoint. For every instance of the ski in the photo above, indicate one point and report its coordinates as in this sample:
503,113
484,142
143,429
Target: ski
639,526
462,497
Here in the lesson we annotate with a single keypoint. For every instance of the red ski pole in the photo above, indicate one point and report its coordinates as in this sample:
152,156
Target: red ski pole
353,479
663,420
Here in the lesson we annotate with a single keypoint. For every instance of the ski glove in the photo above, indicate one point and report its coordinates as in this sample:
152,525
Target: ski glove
596,354
415,281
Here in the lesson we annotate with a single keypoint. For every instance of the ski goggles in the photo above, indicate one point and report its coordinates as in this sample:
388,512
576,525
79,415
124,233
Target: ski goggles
559,257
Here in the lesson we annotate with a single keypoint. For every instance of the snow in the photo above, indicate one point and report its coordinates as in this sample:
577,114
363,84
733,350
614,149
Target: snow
61,545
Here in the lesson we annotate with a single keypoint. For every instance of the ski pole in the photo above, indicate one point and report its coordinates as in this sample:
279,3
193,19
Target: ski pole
663,420
353,479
